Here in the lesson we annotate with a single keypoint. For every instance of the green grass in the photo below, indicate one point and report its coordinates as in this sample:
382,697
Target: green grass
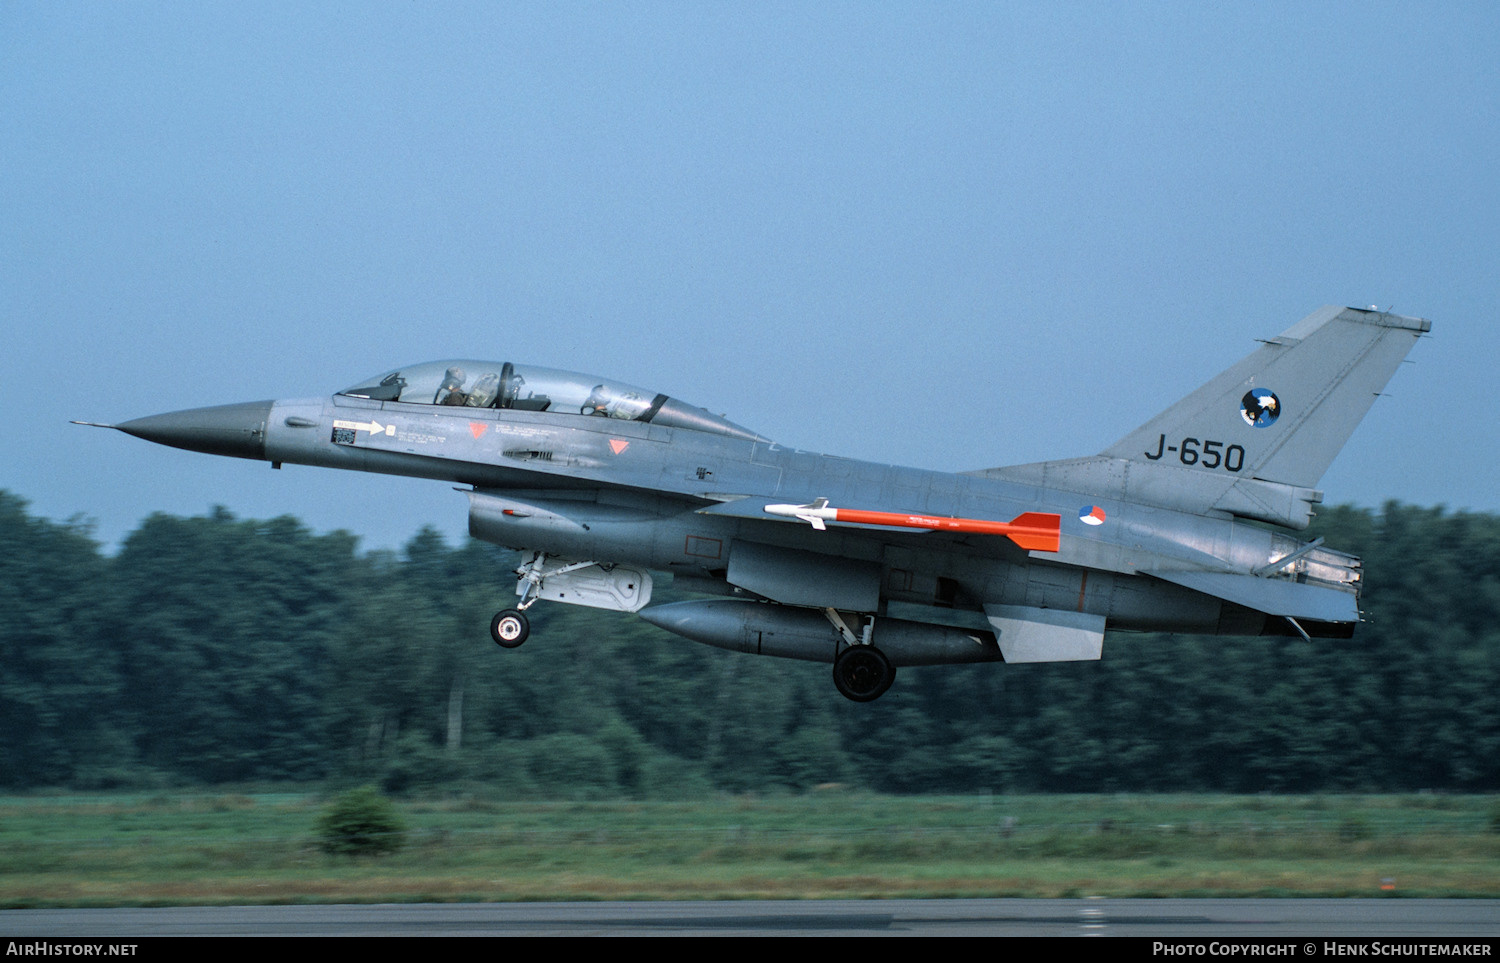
205,849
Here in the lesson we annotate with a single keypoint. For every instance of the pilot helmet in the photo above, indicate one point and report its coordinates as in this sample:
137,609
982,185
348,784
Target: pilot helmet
452,378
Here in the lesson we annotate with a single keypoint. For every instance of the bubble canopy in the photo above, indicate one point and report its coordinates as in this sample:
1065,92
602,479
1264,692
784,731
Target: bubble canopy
492,384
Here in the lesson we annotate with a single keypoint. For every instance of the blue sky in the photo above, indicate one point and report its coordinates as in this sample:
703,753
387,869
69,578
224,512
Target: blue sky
945,235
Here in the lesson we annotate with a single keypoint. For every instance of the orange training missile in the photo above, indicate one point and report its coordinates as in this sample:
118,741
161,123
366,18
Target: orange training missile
1033,531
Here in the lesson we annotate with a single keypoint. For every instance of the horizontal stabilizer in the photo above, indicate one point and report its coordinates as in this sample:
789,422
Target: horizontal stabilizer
1272,596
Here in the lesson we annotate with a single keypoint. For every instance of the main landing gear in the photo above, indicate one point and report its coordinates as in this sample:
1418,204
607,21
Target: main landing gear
861,672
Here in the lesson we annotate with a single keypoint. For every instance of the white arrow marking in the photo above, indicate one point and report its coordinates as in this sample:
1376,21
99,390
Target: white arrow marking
373,427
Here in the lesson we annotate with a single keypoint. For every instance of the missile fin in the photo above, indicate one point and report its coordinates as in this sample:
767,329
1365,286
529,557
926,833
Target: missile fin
1037,531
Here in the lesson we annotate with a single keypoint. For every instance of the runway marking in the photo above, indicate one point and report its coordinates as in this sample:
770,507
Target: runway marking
1093,922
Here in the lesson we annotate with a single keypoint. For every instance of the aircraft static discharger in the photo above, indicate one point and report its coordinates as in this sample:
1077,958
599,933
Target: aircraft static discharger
1185,525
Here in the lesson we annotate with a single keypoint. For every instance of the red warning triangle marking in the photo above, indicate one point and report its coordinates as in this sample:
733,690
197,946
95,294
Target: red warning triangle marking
618,444
477,427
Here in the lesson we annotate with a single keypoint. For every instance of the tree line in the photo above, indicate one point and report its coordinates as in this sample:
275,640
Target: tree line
220,650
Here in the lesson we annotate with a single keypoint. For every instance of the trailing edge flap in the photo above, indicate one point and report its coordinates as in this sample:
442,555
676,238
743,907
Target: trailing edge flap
1272,596
1030,634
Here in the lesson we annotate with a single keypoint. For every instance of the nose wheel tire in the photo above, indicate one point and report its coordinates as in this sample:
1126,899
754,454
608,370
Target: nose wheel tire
509,628
863,673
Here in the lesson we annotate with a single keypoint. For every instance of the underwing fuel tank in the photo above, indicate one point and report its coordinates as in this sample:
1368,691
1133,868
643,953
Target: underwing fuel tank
762,628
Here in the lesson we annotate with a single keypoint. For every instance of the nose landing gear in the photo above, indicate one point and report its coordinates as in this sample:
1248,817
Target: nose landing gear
510,628
601,585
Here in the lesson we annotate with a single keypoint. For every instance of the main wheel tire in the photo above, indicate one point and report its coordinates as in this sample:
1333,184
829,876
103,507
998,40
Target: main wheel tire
509,628
863,673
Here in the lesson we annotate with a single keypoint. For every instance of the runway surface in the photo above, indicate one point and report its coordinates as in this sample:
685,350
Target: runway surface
1202,918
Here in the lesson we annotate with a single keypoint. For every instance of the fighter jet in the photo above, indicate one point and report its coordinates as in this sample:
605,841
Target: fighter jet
1187,524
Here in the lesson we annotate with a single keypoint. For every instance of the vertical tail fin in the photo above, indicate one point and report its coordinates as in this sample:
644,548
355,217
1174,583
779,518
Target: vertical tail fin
1285,411
1255,440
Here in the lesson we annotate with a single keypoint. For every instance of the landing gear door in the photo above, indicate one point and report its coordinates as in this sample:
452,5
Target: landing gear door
618,588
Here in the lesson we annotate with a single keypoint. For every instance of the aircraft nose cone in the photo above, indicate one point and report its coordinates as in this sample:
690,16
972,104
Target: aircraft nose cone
237,430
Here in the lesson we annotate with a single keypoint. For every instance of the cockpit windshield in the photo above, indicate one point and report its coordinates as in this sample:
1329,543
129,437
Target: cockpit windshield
485,384
489,384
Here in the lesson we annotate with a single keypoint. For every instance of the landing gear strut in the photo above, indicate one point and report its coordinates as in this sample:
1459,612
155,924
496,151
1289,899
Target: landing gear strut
863,673
860,671
510,627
